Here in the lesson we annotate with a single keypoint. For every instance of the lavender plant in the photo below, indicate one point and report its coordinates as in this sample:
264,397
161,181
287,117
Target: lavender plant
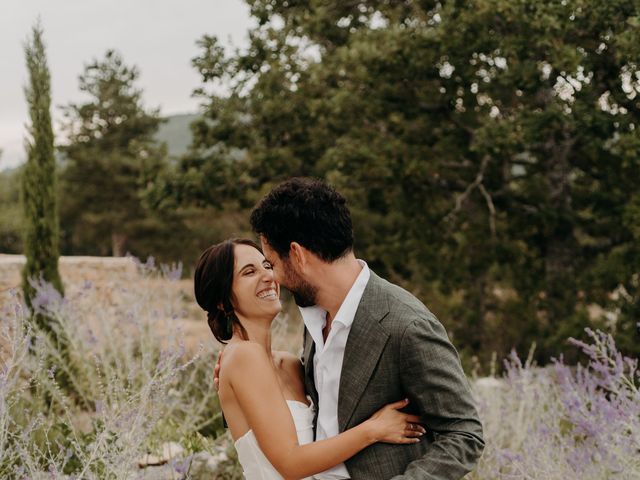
563,422
132,386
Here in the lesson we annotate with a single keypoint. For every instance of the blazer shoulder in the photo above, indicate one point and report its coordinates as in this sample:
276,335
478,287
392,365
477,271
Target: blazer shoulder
404,307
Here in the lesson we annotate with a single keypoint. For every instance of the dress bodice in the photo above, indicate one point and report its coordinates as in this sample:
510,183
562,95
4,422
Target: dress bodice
255,464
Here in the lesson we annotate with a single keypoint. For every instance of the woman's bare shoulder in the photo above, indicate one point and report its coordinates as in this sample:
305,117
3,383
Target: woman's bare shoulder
242,355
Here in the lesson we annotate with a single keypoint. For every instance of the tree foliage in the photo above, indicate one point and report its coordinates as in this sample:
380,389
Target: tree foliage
41,230
11,211
489,150
110,160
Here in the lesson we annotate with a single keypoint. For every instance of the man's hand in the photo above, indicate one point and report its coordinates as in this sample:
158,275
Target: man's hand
216,373
216,383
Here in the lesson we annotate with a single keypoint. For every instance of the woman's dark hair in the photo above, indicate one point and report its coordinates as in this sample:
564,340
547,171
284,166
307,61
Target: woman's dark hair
213,281
306,211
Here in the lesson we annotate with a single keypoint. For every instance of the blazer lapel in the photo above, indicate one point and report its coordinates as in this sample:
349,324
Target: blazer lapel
364,346
307,357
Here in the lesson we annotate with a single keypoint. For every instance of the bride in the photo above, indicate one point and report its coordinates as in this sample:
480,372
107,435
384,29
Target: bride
261,391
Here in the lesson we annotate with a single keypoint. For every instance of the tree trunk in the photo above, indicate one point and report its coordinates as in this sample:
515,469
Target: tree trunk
118,244
561,244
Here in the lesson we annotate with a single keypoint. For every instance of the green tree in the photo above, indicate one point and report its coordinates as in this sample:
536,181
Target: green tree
11,211
41,235
489,149
110,161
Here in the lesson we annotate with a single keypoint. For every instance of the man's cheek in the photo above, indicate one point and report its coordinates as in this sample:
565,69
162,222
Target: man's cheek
277,274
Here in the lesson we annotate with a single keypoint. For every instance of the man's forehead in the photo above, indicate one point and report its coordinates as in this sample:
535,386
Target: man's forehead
269,253
266,248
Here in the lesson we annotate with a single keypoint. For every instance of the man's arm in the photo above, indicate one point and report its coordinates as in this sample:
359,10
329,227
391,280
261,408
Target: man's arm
433,378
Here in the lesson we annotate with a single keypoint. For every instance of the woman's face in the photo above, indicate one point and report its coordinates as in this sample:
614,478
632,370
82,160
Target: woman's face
255,292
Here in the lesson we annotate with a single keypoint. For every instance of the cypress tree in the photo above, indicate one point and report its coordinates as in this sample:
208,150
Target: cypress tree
39,177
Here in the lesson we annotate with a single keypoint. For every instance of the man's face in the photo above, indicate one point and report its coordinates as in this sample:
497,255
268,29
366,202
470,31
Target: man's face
288,276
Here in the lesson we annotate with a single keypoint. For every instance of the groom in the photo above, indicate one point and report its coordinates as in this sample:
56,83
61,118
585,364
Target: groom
367,342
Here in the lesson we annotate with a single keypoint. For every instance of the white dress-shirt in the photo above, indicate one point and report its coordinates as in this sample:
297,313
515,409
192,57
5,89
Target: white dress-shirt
327,361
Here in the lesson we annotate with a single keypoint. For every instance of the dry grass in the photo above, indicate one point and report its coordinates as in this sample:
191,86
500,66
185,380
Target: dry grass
116,280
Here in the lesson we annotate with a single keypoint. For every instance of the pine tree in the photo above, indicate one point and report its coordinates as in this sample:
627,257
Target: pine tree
111,159
39,176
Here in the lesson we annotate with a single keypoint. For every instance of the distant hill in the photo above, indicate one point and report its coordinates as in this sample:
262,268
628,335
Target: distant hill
176,133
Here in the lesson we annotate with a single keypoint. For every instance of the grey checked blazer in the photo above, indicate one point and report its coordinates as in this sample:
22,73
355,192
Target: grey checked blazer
398,349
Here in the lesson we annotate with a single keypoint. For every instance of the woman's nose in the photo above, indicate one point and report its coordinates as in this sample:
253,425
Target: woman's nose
267,275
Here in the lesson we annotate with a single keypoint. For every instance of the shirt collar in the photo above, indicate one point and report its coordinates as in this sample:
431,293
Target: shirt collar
315,317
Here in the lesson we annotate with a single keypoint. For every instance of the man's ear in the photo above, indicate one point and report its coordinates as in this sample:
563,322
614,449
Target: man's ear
298,255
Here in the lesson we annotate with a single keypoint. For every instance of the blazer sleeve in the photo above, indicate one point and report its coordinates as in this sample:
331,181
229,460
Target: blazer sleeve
436,385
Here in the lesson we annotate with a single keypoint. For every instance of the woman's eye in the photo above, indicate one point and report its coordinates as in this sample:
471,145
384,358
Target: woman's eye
268,266
249,271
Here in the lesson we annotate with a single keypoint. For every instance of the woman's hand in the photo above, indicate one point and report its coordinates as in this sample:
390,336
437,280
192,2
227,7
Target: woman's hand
391,426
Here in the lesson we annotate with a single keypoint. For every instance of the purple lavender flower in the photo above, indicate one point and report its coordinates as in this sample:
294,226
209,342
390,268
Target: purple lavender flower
565,421
146,267
181,466
92,340
172,272
150,263
47,299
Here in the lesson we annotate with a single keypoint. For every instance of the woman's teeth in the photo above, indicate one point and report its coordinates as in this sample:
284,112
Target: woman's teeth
268,294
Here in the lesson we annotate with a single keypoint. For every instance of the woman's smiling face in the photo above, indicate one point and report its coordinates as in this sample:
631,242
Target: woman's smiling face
255,291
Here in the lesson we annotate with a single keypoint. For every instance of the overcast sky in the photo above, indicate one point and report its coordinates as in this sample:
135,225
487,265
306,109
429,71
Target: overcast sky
156,35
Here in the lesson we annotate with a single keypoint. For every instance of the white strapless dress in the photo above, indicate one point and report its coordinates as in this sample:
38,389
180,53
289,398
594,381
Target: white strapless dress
253,461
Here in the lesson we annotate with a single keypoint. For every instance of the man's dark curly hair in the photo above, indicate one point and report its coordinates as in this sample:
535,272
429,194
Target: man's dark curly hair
306,211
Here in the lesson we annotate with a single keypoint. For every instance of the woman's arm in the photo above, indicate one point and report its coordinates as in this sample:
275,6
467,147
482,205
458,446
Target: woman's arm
255,385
